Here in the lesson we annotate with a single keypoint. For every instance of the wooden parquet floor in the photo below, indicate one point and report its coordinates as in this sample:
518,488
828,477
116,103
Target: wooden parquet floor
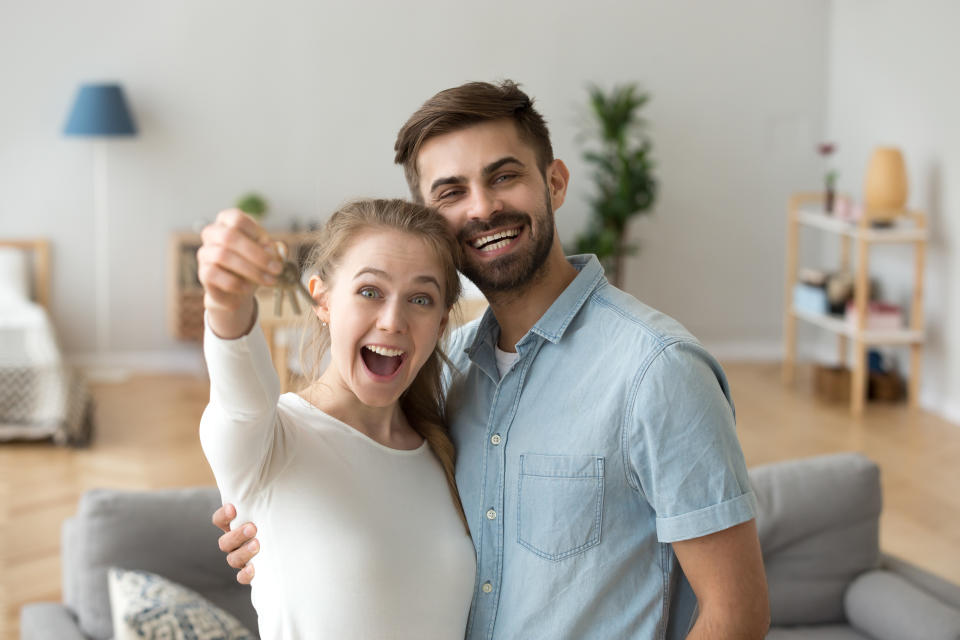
147,438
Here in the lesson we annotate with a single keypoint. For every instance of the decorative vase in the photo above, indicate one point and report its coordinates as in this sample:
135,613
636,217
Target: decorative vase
885,189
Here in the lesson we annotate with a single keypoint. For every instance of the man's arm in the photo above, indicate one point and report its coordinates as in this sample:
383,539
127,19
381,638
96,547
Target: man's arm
239,544
726,572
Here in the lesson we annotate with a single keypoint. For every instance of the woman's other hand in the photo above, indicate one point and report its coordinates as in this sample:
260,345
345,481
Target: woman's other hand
239,544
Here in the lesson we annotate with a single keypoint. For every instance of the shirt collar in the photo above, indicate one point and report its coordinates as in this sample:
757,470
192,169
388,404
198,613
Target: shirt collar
557,318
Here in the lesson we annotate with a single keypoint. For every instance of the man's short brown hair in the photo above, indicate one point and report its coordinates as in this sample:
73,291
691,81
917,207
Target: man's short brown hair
464,106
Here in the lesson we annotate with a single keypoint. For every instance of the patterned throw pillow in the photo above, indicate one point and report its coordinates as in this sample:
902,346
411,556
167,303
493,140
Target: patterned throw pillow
146,605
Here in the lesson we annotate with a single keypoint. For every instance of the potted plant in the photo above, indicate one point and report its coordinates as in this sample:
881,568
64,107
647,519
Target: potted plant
623,178
252,204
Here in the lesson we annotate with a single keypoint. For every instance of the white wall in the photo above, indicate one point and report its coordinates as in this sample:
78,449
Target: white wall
302,100
893,81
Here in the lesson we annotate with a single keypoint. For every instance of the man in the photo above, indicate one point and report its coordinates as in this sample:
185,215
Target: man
597,454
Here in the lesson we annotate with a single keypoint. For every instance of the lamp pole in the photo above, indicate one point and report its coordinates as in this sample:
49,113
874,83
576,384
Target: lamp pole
101,234
100,111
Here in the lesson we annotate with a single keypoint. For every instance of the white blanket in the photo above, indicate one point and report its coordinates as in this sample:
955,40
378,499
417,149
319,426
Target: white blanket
39,396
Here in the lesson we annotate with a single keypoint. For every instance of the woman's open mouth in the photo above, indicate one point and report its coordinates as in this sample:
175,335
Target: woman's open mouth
382,362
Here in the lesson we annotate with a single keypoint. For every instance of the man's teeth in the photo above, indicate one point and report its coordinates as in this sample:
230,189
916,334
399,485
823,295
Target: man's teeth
506,235
497,245
385,351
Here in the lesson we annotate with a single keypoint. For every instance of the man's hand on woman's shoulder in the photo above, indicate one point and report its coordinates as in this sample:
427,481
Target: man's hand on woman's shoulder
240,545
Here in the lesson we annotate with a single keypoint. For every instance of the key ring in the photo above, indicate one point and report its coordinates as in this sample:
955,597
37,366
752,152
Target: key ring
281,249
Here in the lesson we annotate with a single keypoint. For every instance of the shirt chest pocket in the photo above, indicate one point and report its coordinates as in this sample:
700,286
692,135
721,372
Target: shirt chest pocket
560,504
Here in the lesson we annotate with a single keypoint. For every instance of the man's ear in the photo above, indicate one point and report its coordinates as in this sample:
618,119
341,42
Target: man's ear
558,179
319,293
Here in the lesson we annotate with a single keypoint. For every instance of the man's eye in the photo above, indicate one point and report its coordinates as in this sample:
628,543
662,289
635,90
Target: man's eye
423,300
503,177
447,195
369,292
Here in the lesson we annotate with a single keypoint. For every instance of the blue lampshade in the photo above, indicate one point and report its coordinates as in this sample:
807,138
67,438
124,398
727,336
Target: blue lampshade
100,110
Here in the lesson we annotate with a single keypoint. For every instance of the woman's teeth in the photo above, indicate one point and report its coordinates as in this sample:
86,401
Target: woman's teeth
385,351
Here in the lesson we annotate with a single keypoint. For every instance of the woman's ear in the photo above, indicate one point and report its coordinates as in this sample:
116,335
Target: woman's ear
319,293
443,322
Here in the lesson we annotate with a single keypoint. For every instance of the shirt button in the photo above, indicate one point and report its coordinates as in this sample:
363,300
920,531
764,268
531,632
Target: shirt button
487,587
495,439
491,514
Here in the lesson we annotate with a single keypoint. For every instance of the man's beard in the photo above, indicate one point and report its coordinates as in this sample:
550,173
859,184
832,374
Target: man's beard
516,270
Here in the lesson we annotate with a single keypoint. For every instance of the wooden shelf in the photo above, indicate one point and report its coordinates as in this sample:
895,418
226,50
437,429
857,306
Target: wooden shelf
910,227
840,326
904,230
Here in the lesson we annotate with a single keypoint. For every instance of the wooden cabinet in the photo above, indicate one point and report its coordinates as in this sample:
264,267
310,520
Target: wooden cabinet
185,295
806,209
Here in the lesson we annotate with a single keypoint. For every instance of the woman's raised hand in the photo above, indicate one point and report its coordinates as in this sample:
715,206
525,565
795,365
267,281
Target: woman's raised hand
235,258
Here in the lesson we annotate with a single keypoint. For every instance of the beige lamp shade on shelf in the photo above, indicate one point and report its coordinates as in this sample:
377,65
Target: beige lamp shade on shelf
885,188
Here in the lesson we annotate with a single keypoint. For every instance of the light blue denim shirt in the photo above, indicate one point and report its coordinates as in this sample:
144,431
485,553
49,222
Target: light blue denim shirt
612,436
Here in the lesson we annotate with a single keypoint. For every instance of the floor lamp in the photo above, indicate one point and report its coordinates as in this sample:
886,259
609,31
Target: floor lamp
100,111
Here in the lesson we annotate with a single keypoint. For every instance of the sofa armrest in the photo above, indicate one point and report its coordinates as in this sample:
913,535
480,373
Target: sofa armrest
48,621
932,584
886,606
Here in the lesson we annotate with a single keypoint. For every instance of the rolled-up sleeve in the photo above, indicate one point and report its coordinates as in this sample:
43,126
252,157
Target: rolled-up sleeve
681,443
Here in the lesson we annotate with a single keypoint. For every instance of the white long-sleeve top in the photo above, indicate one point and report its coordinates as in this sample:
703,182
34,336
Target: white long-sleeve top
357,540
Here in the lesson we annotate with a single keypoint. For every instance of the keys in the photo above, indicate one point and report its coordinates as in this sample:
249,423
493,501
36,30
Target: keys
289,284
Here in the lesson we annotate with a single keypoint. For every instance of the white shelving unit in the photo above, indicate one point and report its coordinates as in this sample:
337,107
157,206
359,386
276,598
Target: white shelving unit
806,209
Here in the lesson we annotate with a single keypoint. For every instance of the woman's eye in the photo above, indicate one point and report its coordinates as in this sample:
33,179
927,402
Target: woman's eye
422,300
368,292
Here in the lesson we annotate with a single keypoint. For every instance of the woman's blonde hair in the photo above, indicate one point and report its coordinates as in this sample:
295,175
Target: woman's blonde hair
422,402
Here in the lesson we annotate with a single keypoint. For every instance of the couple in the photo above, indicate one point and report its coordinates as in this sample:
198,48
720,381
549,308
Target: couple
601,481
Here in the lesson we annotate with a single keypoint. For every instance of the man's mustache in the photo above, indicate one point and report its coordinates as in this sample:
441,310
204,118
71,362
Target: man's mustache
502,219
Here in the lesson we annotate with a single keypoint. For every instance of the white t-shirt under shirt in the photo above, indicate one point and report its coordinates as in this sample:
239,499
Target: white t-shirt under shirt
506,360
357,540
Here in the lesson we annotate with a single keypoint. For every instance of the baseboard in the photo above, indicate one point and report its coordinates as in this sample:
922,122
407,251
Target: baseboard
946,407
951,411
759,351
119,365
745,350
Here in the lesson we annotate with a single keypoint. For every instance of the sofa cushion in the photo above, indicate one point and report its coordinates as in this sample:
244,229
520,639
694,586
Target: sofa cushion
166,532
825,632
146,605
46,620
888,607
818,521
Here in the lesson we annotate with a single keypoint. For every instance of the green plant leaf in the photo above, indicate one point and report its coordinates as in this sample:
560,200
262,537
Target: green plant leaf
252,204
624,184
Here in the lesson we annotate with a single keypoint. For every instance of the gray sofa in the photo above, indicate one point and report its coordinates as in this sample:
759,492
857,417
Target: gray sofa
828,580
165,532
818,526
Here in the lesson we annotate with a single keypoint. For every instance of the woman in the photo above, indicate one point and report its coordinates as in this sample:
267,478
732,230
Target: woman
351,478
